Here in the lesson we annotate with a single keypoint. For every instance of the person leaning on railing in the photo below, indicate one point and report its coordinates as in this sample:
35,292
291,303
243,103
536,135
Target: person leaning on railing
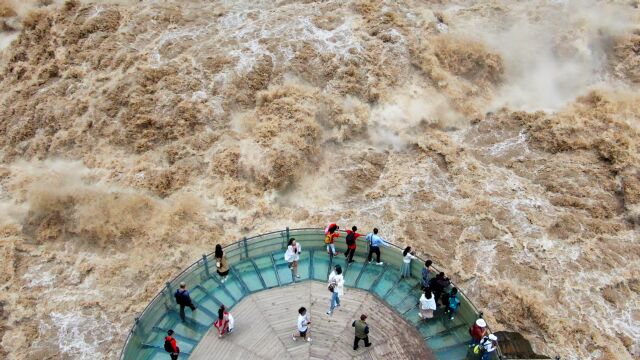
352,236
331,232
375,241
405,268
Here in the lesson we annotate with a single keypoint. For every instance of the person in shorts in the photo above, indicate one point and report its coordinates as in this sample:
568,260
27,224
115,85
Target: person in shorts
303,325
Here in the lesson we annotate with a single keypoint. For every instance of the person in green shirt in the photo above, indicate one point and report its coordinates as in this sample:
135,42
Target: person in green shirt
362,332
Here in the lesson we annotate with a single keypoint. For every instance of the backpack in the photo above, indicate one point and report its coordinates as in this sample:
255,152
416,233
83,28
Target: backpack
167,346
351,238
328,238
480,349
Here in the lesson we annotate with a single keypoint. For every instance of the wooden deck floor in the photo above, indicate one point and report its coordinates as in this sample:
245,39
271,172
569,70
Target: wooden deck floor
266,320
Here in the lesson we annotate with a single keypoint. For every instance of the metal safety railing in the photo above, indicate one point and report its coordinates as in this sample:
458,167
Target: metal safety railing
246,248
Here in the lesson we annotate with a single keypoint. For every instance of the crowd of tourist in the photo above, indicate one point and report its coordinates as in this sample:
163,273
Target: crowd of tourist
436,293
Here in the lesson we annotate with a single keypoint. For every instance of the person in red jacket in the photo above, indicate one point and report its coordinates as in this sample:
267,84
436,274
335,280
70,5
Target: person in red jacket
330,233
352,236
477,331
171,346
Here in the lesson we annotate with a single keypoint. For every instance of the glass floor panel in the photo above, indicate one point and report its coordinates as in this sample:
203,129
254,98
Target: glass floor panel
397,296
369,275
407,304
458,351
284,273
387,281
304,265
249,276
320,265
352,272
267,270
232,286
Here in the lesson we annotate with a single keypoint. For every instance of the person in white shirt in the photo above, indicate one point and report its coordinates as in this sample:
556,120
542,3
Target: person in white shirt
488,345
405,269
232,323
336,285
292,256
427,305
303,325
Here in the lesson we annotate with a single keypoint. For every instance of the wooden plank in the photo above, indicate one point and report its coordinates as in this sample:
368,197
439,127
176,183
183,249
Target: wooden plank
266,320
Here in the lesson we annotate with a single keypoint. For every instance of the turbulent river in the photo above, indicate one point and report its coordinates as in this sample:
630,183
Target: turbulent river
499,138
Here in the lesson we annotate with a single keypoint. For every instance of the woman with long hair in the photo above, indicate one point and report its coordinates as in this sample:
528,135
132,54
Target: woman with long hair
292,256
407,256
222,265
427,305
336,287
330,233
224,323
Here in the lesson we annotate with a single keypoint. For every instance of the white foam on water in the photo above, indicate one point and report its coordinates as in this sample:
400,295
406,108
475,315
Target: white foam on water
81,336
38,276
506,145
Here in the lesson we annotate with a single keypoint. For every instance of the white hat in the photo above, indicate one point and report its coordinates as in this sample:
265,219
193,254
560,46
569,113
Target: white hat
493,337
481,323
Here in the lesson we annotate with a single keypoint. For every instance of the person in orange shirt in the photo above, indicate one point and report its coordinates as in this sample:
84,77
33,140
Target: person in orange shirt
330,233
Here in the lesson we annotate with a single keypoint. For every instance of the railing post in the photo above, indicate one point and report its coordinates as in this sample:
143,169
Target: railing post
246,250
286,238
169,292
206,264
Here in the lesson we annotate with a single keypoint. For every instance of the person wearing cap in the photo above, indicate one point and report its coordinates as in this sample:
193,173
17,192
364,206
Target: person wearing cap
362,332
488,344
477,331
184,300
171,346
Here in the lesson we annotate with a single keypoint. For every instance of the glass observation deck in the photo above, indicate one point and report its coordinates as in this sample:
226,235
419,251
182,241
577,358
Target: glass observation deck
258,264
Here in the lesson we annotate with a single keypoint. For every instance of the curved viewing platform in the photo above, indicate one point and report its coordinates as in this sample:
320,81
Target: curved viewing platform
263,298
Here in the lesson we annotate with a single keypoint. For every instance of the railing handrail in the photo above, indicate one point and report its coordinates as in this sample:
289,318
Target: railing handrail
225,247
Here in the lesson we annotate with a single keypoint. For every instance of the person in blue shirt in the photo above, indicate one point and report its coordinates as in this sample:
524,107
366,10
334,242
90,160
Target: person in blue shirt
451,302
375,241
426,274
